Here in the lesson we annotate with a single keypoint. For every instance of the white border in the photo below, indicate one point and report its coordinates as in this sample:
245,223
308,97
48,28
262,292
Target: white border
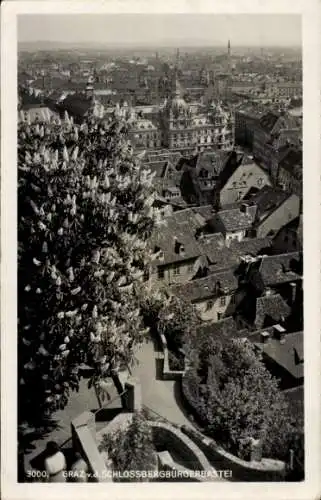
311,488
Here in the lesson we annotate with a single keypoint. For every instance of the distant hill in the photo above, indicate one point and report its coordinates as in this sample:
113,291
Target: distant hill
195,44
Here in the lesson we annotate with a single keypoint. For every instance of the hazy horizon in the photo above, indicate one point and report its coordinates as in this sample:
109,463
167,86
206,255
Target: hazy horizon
169,30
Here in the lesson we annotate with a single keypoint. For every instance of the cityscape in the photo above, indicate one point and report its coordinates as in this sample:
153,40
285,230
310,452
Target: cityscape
160,249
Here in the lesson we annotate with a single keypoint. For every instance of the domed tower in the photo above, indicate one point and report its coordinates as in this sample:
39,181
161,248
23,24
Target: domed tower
176,117
176,103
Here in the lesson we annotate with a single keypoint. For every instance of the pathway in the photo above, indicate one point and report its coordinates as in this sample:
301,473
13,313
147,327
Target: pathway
84,399
158,395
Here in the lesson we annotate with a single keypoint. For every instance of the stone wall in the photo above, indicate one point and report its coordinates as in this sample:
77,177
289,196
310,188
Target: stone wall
167,463
168,374
169,438
265,470
83,431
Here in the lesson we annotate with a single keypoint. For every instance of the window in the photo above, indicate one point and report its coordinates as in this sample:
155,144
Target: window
190,268
176,270
209,305
223,301
219,316
260,181
233,299
161,273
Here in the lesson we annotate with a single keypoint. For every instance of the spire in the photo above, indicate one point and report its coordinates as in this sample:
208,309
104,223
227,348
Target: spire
177,91
177,59
229,48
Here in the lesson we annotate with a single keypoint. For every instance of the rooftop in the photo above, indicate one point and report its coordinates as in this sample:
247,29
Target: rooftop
292,162
277,269
268,199
176,237
288,353
271,308
235,220
205,288
268,121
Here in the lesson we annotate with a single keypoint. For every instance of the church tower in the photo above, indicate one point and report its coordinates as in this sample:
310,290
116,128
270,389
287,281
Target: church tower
229,69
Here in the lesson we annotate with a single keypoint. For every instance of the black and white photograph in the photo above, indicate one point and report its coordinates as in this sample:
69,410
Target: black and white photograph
161,330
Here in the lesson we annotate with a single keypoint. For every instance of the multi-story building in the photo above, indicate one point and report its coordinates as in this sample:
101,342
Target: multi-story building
188,130
240,177
271,126
246,122
290,171
145,134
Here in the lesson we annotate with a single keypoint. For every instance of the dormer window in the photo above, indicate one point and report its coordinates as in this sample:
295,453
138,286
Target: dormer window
158,252
179,248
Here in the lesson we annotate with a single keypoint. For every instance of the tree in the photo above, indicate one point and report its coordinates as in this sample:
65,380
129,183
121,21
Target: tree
85,214
132,448
244,401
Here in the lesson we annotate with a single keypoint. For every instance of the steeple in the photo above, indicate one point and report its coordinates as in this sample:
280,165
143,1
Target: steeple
177,91
177,59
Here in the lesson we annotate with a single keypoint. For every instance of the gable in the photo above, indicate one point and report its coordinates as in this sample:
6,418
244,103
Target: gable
282,213
248,175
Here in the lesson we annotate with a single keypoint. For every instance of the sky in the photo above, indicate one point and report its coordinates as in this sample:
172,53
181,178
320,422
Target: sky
162,29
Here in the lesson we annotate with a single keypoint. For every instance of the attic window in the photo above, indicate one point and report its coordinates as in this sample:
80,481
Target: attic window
179,248
298,356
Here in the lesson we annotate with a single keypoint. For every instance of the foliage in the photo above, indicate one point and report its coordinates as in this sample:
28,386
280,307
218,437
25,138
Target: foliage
241,398
85,214
178,321
132,448
176,361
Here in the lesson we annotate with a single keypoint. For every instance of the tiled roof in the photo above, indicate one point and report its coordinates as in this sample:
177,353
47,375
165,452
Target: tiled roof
268,199
219,255
286,353
206,211
268,121
292,162
231,165
234,220
295,227
214,247
181,225
205,288
272,307
213,161
277,269
252,246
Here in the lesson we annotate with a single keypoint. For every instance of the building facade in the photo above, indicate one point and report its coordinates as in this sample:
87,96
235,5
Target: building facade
188,130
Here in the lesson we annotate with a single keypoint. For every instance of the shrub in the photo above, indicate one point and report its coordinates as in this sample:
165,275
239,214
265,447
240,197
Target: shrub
176,361
239,400
131,448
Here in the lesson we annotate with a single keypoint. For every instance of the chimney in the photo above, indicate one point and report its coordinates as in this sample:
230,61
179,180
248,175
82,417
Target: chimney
245,208
279,333
293,288
264,337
